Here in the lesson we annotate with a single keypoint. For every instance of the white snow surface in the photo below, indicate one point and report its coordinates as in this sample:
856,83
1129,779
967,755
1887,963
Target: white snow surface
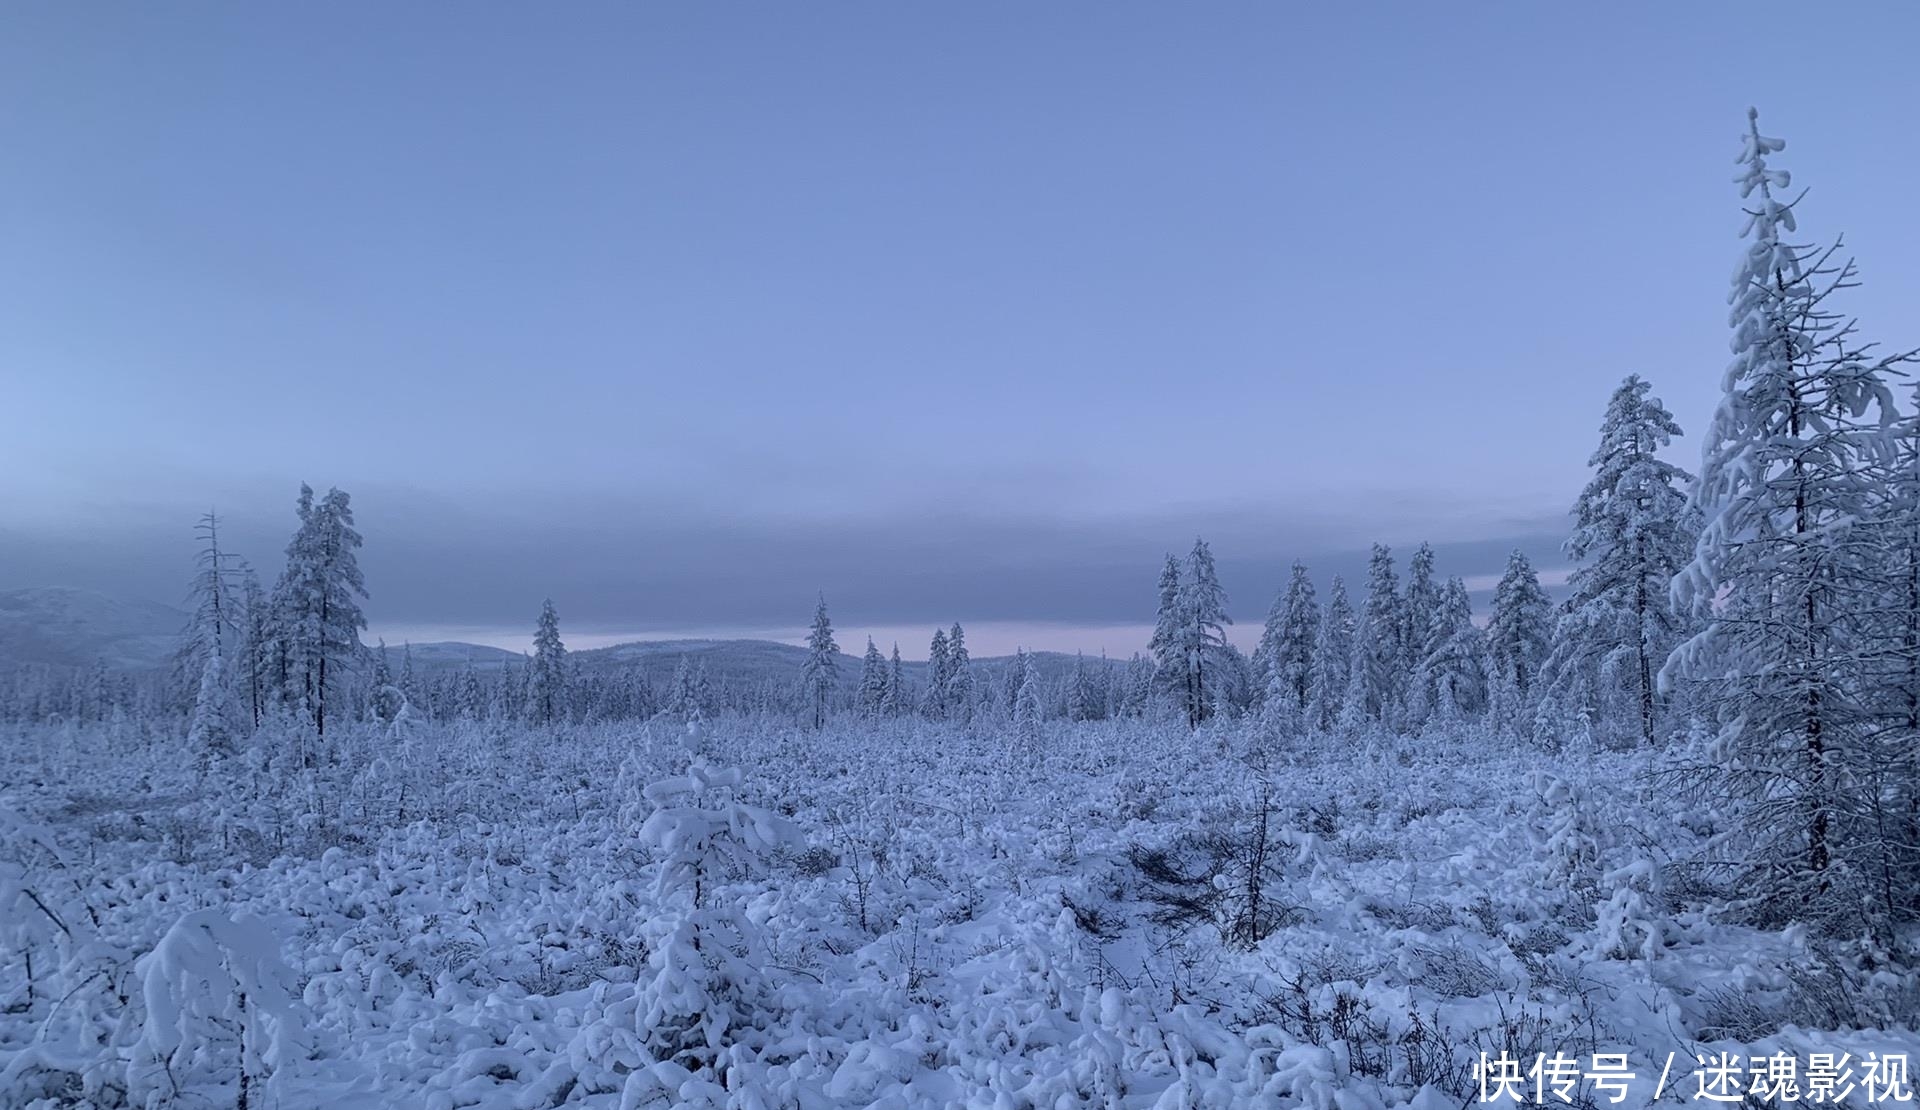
904,915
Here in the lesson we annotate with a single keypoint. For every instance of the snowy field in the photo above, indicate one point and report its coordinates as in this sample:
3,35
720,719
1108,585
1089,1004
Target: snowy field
888,914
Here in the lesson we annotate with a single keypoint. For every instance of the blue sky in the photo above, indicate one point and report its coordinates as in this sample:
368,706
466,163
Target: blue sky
681,312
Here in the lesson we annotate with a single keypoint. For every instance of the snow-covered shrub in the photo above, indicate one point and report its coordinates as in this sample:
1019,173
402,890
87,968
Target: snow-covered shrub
218,1014
32,921
1631,925
58,978
703,990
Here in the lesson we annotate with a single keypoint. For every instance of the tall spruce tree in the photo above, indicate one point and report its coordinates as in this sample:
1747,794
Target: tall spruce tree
1783,578
1201,605
1453,658
683,691
210,732
318,618
959,676
1519,634
1299,633
939,677
821,672
547,678
382,673
1332,659
408,682
1417,609
1283,661
1027,710
1136,687
1081,699
470,699
1168,622
899,697
1268,648
1379,670
873,682
255,656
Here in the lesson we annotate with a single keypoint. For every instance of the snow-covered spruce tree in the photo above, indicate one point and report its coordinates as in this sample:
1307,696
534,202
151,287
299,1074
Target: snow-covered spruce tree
959,676
1024,681
470,700
642,699
1332,659
821,672
1632,534
547,677
211,735
1282,663
408,682
1164,645
282,651
1232,694
385,701
1416,613
254,679
318,618
683,699
899,697
1205,658
873,682
1453,658
1291,674
1519,634
1379,671
1016,673
1079,691
706,695
1784,580
1269,646
939,675
1136,695
509,692
382,672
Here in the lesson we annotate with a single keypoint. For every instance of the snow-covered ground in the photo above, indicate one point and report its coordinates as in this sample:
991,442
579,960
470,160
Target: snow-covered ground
882,914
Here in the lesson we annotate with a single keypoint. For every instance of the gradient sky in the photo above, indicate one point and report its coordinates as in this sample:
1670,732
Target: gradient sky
681,312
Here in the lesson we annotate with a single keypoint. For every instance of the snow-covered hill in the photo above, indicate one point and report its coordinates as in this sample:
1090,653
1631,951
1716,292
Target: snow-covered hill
65,627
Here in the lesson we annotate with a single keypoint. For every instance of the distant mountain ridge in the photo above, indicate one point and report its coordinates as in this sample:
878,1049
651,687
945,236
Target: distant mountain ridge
735,661
450,653
61,626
